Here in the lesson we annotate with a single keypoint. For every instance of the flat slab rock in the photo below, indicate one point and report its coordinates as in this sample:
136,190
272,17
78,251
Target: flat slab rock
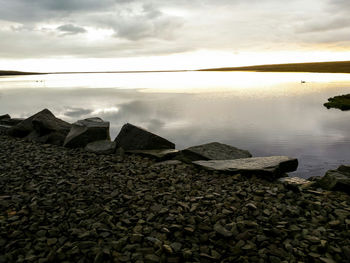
212,151
274,166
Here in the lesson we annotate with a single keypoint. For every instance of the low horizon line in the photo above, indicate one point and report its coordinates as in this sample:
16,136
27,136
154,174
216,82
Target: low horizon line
283,67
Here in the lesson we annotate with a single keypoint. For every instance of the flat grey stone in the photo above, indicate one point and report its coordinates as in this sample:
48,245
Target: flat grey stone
212,151
274,166
160,155
295,183
132,137
101,147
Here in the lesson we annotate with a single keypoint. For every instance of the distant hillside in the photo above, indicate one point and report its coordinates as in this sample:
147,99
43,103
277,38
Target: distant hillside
11,73
317,67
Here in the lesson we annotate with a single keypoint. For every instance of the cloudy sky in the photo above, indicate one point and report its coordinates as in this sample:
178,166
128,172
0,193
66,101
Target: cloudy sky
62,35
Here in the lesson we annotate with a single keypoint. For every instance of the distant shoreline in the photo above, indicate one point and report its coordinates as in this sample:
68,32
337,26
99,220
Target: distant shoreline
312,67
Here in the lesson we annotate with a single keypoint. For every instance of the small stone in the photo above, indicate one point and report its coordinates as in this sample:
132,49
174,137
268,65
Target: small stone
168,249
222,231
51,241
251,206
152,258
176,246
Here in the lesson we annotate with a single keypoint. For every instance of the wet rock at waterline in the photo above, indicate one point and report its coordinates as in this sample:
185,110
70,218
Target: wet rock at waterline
86,131
338,180
212,151
101,147
273,166
42,127
132,137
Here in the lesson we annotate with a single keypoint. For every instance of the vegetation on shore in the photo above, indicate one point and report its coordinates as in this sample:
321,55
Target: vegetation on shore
318,67
13,73
341,102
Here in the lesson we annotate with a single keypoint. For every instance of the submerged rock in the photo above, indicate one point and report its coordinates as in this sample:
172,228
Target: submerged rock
86,131
101,147
274,166
212,151
338,180
42,127
132,137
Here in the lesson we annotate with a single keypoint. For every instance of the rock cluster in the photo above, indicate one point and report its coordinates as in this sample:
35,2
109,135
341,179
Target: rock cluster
60,204
42,127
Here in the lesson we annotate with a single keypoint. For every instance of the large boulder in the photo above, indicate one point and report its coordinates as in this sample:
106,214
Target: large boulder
212,151
42,127
132,137
86,131
271,167
337,180
101,147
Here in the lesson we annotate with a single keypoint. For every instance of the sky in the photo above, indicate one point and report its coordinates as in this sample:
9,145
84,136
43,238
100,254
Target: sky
107,35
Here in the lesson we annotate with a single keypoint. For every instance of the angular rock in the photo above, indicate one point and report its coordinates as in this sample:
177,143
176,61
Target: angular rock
337,180
86,131
132,137
43,127
5,116
273,166
101,147
212,151
160,155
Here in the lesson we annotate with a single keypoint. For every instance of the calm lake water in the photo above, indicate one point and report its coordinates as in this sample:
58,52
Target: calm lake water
265,113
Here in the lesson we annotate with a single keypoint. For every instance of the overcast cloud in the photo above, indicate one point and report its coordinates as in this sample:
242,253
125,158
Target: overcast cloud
121,28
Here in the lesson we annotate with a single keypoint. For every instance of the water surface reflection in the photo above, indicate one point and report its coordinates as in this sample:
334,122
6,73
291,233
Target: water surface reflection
265,113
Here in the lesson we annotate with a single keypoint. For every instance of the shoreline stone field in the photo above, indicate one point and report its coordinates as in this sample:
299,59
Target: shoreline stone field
63,204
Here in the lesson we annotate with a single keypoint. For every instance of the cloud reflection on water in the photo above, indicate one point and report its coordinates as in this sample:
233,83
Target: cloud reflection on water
291,121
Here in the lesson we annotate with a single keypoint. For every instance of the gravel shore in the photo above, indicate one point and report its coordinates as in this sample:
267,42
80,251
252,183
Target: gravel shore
60,204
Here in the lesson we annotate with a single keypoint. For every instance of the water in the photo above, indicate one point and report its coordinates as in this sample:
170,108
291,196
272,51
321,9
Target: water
265,113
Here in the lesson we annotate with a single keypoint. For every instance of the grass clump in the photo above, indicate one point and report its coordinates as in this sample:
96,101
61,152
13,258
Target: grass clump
341,102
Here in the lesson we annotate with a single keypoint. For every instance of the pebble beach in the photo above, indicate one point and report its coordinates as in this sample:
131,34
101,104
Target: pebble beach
69,205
